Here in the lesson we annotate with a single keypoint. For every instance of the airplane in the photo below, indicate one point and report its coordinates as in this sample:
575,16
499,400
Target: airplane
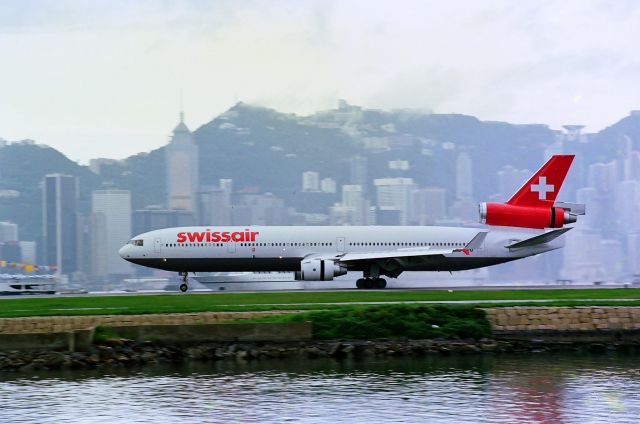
529,223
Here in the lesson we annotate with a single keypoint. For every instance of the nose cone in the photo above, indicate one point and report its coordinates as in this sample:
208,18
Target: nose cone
124,252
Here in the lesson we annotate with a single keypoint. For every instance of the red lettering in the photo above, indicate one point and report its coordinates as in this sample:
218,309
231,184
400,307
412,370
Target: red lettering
216,236
195,237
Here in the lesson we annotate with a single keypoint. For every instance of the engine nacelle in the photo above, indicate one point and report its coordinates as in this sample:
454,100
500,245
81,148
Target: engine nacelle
320,270
524,216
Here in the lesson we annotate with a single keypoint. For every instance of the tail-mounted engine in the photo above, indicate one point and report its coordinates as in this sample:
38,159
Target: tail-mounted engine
320,270
506,215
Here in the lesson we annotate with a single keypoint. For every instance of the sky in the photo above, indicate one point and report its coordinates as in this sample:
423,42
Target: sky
107,78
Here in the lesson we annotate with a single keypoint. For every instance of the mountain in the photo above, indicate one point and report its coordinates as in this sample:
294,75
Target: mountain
22,167
264,150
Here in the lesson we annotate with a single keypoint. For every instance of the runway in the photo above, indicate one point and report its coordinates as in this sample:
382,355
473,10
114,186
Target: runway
200,291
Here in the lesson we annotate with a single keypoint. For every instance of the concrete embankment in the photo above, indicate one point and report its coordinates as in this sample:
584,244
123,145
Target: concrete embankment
69,323
67,342
570,324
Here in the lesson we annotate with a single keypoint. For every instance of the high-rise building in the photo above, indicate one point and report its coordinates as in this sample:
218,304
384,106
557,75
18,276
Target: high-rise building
8,231
181,155
510,180
226,185
395,194
111,210
328,185
310,181
358,173
352,198
60,222
429,205
155,218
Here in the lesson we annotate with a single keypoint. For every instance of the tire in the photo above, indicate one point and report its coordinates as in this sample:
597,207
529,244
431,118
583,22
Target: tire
183,287
380,283
360,283
368,283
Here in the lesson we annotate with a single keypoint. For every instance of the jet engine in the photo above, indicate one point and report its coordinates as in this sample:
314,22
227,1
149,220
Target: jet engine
526,216
320,270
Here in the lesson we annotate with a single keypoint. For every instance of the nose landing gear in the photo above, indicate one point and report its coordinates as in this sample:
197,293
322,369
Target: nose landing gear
185,281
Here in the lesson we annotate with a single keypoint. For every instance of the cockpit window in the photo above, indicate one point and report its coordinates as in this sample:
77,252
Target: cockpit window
139,242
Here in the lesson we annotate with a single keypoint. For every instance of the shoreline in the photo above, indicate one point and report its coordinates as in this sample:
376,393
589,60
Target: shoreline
123,354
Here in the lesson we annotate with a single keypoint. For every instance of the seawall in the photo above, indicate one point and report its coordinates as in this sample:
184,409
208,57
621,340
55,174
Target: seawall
69,323
582,323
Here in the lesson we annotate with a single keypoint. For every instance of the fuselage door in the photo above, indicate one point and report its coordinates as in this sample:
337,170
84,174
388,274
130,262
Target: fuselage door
231,247
156,245
340,244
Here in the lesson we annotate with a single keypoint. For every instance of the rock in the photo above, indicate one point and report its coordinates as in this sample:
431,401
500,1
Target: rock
55,360
335,349
122,358
314,352
93,359
347,349
488,347
471,348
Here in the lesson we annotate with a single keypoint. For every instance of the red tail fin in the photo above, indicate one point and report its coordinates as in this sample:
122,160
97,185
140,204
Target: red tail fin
543,187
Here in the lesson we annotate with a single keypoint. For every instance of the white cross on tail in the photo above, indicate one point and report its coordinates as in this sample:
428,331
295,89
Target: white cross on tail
542,188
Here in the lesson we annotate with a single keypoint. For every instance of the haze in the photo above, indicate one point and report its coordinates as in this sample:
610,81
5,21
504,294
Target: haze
105,78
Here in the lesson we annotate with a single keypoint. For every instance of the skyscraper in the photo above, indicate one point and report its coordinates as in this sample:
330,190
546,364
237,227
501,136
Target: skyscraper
358,173
395,194
60,220
181,155
111,210
310,181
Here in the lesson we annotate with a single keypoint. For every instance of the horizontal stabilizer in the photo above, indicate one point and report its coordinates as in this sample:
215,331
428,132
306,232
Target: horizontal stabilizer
541,239
572,208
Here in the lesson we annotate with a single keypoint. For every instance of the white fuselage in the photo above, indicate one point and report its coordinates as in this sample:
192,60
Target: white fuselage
265,248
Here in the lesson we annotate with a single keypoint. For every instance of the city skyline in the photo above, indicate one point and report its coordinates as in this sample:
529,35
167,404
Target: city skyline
377,184
104,79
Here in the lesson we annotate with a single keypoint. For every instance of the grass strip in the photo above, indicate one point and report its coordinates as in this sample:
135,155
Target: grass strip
218,302
393,322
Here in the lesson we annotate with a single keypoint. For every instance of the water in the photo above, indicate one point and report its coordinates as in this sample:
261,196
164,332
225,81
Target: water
475,389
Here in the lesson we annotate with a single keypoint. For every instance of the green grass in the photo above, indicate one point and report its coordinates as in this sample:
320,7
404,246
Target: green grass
104,333
393,322
171,303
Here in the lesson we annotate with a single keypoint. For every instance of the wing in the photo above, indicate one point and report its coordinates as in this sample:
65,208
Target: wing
475,243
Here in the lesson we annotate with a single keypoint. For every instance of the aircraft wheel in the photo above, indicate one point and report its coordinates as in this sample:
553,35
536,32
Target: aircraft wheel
368,283
184,287
360,283
380,283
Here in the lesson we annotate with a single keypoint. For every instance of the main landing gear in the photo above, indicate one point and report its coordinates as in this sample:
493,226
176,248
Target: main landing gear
372,279
371,283
185,281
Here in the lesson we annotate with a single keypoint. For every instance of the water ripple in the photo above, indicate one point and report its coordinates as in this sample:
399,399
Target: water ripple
501,389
